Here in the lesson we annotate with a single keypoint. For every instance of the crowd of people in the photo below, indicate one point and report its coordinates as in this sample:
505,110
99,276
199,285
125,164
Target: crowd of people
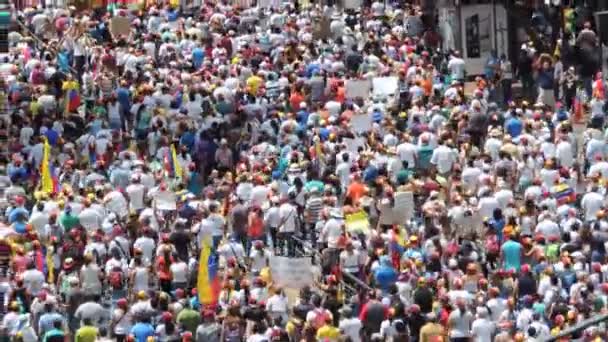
152,175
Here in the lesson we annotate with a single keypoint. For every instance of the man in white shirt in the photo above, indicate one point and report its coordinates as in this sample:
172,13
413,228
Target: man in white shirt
136,192
289,215
591,203
407,151
457,67
349,325
443,158
89,217
482,328
564,152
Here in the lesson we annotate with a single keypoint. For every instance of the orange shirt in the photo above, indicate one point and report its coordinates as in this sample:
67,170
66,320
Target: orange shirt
341,95
294,101
355,191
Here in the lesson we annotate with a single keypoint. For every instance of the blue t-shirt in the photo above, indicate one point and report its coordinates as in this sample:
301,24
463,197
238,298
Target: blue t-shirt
514,127
385,276
511,251
141,331
198,55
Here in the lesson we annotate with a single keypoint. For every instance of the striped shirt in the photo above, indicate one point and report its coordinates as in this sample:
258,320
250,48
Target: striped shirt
314,205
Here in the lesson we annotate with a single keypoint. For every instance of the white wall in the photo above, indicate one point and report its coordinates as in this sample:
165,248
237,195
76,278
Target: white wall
475,65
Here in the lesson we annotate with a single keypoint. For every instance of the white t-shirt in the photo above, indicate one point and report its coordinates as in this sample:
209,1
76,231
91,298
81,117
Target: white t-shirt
443,158
136,196
288,214
351,328
564,154
147,247
407,152
483,330
33,281
123,322
259,258
461,323
179,270
591,203
457,68
277,304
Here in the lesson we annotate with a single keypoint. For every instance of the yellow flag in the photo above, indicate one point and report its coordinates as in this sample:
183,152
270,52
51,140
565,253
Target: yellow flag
177,167
45,171
50,265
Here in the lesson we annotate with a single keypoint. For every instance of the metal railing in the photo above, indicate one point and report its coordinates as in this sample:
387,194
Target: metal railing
41,42
593,321
351,279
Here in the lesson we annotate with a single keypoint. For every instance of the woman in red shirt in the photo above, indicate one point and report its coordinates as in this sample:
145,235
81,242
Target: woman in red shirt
255,226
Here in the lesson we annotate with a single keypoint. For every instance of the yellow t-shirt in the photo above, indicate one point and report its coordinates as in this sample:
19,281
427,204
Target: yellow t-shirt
86,334
34,107
328,332
254,82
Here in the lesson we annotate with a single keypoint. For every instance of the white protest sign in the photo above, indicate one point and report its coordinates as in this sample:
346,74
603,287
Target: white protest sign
385,85
352,4
165,200
386,212
403,209
361,122
293,273
357,88
352,145
264,3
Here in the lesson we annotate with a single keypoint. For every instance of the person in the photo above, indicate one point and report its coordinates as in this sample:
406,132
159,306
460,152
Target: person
267,141
511,254
87,332
457,67
328,331
506,78
56,334
189,318
349,325
432,331
209,329
142,330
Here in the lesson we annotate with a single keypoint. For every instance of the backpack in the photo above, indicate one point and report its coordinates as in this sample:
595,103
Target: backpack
321,317
116,278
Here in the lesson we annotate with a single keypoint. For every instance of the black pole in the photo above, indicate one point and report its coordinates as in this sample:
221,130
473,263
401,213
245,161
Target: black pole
494,26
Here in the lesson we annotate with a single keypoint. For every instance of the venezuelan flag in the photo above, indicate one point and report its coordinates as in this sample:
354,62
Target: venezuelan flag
72,96
208,284
45,171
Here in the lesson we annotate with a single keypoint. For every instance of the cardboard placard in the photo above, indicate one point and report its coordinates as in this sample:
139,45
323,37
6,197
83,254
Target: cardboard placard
357,88
361,123
120,27
385,85
293,273
321,29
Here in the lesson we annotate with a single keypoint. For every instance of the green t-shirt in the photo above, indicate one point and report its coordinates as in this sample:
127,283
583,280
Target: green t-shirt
68,221
190,319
